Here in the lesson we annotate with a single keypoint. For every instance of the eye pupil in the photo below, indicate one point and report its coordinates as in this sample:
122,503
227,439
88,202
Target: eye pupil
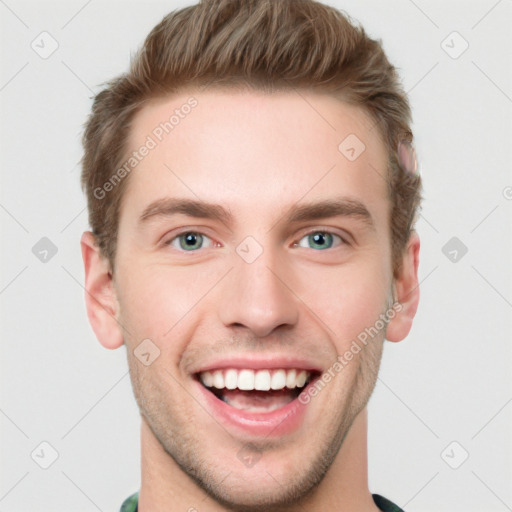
190,240
321,239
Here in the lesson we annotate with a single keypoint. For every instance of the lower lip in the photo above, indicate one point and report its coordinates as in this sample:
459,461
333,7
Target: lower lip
271,424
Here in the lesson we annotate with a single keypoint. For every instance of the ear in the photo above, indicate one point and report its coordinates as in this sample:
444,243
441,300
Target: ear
100,299
407,292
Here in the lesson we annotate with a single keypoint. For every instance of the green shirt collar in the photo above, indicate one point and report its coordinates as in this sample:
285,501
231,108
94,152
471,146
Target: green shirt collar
130,504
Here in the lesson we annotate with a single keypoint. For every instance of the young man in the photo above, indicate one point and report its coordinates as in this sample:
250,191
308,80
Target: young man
252,193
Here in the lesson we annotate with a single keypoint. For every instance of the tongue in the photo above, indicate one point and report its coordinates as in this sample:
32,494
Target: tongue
257,401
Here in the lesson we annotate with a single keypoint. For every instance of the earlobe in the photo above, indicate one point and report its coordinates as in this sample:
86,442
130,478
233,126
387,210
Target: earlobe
100,299
407,292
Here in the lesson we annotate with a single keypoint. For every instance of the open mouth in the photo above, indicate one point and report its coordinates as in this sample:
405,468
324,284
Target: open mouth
256,390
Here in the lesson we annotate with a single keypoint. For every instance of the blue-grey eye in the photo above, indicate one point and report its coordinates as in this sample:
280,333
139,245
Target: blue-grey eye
190,241
318,240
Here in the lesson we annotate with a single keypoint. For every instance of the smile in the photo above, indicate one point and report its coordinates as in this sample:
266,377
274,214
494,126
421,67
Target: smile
256,401
256,391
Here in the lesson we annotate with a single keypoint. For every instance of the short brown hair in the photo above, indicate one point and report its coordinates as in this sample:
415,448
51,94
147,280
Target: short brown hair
267,45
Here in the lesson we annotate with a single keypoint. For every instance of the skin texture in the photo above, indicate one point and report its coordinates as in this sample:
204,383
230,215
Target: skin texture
259,156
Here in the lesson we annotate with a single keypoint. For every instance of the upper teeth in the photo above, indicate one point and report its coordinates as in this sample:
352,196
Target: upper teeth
260,380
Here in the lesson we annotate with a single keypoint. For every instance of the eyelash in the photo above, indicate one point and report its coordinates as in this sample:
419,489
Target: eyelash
342,240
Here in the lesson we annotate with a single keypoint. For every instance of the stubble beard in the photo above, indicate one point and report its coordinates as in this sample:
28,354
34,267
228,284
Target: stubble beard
175,431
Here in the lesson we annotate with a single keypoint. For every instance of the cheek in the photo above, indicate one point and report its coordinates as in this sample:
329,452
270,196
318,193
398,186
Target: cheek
348,299
158,302
143,304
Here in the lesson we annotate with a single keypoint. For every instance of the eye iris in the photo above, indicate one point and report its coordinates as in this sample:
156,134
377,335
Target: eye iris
319,239
190,241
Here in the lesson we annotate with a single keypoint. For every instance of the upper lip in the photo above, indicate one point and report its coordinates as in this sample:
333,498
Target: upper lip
259,362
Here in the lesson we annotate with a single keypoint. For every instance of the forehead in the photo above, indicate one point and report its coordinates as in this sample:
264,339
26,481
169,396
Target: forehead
254,151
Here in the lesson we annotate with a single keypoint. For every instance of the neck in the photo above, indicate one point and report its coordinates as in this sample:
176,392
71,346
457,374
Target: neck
165,487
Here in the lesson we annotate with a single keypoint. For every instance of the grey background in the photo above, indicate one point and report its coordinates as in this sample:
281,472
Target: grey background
450,380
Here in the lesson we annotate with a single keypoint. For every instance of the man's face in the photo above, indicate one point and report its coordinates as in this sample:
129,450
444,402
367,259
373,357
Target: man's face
285,271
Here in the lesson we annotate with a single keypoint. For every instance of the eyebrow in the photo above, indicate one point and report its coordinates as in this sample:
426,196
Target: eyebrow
167,207
330,208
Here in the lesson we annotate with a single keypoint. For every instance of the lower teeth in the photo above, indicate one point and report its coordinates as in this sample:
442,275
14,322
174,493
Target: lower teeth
257,401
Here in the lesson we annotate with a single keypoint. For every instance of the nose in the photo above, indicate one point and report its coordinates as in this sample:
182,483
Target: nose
258,296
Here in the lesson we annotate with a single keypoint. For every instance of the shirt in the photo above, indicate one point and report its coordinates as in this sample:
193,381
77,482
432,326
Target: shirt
130,504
